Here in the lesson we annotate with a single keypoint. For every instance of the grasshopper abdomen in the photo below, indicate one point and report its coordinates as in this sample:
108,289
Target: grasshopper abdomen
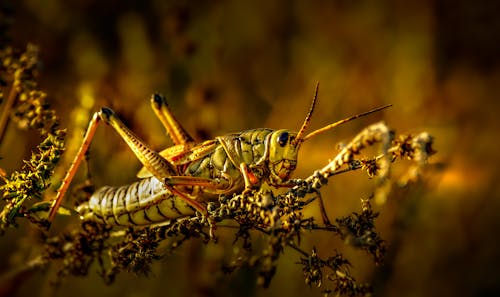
144,202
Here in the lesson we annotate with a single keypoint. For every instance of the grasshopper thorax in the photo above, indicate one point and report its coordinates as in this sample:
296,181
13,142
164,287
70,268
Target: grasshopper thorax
283,153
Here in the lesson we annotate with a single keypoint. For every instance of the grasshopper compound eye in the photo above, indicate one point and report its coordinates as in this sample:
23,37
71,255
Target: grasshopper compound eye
283,139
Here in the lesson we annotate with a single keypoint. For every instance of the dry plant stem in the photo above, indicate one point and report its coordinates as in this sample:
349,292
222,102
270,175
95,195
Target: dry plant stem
421,144
322,208
378,132
420,150
4,118
291,244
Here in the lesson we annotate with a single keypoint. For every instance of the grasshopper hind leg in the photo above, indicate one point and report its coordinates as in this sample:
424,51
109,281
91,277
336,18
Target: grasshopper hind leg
80,155
152,160
177,133
160,167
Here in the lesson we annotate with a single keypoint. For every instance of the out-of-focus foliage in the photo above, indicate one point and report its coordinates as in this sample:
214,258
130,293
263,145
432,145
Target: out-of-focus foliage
232,65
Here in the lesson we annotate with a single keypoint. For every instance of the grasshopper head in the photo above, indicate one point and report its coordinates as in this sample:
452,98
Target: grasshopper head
284,148
284,144
282,154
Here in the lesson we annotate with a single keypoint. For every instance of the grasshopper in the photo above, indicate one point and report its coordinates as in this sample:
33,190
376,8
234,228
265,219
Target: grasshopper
180,180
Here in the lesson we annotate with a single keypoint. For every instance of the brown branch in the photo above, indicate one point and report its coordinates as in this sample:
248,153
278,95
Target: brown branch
4,117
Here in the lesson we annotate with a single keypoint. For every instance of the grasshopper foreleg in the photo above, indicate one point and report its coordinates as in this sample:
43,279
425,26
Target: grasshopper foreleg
250,179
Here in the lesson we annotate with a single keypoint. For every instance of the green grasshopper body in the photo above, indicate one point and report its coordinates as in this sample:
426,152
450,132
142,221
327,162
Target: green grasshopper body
148,201
183,178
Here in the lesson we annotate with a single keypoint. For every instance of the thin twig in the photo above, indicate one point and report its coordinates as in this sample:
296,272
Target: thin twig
4,117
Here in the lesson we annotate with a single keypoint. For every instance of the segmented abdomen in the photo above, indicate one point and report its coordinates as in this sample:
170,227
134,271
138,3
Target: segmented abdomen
144,202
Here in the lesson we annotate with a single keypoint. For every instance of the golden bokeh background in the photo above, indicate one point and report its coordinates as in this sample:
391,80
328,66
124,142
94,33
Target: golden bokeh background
229,66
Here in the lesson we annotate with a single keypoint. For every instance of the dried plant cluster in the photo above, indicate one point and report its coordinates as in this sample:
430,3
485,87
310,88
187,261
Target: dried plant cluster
276,219
26,106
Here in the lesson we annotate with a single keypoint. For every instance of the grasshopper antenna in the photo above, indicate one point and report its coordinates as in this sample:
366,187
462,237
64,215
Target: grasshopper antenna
298,140
333,125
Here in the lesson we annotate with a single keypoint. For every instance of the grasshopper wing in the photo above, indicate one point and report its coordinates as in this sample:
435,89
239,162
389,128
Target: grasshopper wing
183,154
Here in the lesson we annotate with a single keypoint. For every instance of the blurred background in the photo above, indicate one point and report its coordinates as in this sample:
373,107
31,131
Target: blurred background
229,66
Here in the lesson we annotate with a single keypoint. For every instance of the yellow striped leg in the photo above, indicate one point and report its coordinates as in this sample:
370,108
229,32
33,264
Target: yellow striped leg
174,129
160,167
152,160
89,134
